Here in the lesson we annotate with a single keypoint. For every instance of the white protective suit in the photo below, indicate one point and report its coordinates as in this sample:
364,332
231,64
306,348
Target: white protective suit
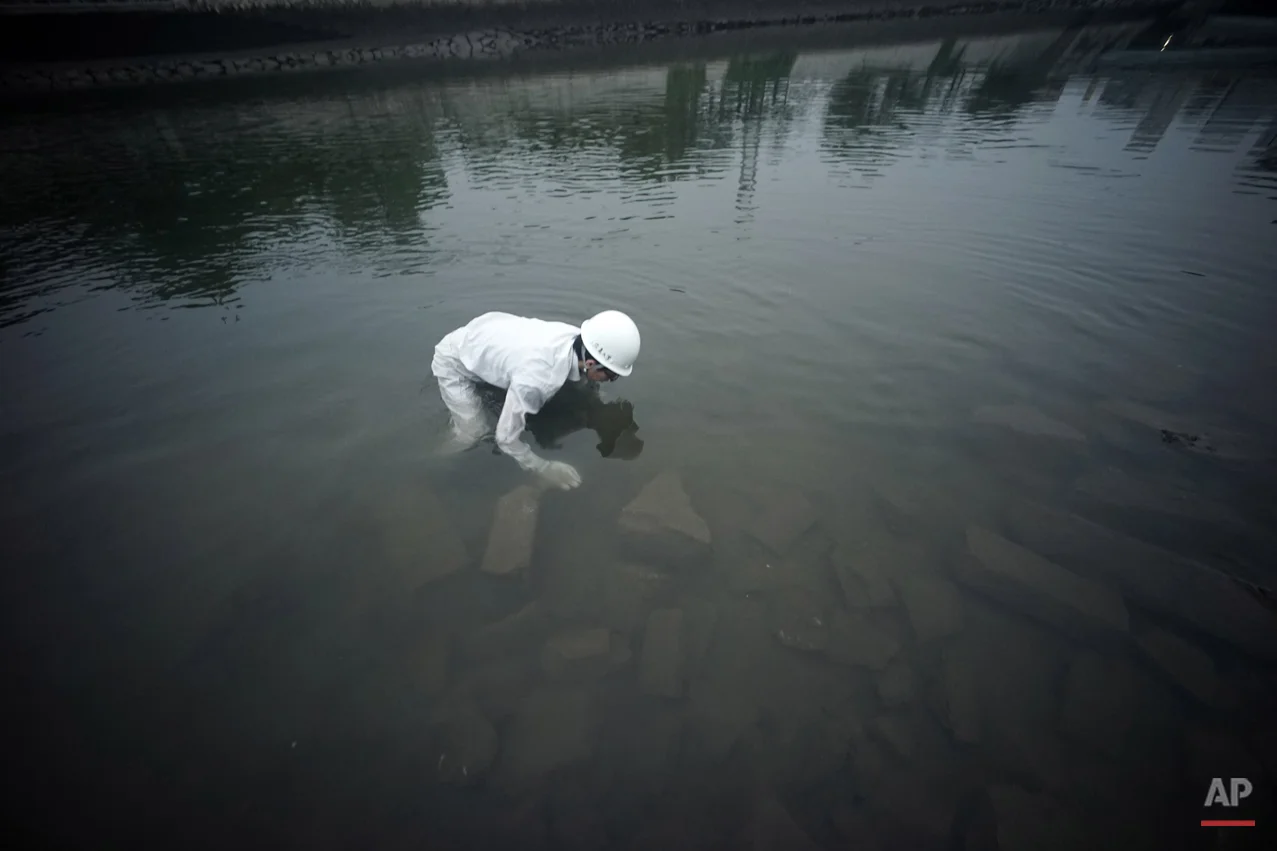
530,358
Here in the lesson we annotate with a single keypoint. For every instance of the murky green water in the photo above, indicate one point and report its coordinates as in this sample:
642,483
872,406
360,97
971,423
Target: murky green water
901,305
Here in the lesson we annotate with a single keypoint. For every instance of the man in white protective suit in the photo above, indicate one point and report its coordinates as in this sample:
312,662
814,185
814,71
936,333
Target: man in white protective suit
531,359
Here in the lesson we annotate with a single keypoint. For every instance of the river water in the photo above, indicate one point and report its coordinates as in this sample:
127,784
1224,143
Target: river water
960,348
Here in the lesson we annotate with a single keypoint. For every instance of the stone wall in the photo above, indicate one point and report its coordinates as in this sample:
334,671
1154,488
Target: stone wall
555,25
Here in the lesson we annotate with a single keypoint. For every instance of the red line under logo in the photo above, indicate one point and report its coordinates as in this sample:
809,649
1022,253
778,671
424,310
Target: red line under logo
1228,822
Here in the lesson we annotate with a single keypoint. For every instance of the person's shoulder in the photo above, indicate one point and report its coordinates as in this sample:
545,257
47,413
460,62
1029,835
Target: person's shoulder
497,322
494,316
566,327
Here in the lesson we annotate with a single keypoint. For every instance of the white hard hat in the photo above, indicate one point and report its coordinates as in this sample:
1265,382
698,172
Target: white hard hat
612,339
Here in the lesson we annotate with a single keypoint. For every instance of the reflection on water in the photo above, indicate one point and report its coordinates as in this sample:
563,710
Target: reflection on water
949,525
575,409
235,184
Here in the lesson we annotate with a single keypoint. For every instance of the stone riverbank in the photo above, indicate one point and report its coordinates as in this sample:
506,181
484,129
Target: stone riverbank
377,44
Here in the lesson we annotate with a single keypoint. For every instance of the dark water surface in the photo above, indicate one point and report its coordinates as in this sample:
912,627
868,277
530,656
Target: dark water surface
961,350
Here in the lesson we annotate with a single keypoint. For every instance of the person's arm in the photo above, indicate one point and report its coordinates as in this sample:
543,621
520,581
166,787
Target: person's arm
520,400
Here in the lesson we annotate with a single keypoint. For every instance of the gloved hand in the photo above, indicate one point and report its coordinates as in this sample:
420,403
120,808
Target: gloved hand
560,475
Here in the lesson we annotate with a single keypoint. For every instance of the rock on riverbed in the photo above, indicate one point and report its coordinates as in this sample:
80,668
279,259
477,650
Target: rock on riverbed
1151,577
718,717
934,606
856,639
509,636
513,533
465,747
896,684
1173,496
551,728
1186,665
1099,703
783,518
627,593
660,525
1024,580
583,653
800,620
864,567
419,540
661,667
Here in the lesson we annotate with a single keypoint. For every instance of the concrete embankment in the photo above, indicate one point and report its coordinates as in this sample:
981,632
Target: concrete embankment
63,45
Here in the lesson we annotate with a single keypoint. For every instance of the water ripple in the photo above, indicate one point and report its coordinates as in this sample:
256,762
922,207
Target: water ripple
699,183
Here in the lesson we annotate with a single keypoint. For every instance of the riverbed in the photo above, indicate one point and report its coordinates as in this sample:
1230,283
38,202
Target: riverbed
937,510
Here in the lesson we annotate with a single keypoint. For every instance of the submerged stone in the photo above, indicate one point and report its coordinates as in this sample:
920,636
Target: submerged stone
661,525
817,750
512,635
896,684
902,498
742,639
801,621
552,728
854,639
1151,577
1024,580
497,688
513,533
784,518
465,747
1186,665
1142,788
757,571
718,716
934,606
1100,696
578,653
661,666
863,568
640,743
1177,498
627,594
420,542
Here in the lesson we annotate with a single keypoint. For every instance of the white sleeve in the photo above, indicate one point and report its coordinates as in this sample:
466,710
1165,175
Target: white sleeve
520,400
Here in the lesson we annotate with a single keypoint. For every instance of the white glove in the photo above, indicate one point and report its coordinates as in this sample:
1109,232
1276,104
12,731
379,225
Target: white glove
560,475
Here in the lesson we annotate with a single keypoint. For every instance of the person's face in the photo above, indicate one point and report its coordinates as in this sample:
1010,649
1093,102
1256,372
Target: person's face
597,372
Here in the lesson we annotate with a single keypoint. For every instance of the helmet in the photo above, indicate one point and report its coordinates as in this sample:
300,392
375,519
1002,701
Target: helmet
612,339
